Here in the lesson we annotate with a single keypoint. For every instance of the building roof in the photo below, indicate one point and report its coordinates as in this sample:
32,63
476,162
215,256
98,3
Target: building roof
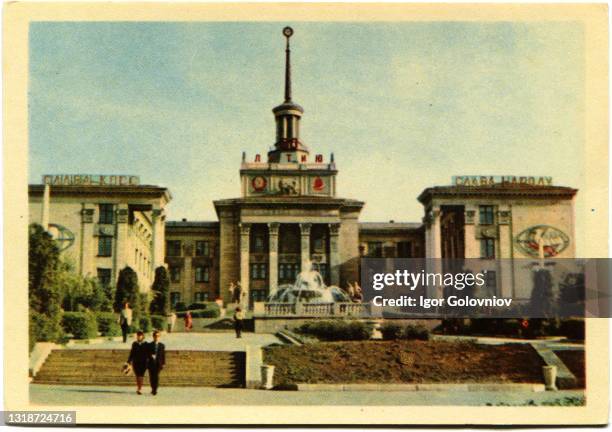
142,190
192,224
501,190
389,227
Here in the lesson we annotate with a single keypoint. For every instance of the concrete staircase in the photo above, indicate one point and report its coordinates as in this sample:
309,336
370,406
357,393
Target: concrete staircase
103,367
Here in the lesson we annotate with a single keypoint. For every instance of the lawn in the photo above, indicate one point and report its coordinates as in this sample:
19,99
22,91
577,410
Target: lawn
404,361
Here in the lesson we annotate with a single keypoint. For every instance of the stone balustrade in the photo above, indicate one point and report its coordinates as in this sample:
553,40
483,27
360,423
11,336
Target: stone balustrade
317,309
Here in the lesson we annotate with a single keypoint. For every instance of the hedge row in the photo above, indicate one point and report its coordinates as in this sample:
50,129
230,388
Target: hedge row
87,325
572,328
202,313
410,331
337,330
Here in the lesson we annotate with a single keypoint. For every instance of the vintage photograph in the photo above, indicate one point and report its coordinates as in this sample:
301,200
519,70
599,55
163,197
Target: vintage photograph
208,201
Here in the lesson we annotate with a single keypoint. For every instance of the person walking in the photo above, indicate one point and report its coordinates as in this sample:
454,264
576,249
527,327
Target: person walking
238,321
125,320
188,321
138,359
171,320
157,361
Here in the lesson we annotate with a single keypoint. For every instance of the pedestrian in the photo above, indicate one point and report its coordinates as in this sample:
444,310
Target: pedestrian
157,361
171,320
138,359
188,321
238,293
238,320
125,320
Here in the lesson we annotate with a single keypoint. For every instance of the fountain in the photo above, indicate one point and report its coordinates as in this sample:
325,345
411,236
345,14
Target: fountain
309,288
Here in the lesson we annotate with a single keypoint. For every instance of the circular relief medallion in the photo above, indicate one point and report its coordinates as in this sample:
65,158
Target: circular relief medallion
550,240
318,184
259,183
64,238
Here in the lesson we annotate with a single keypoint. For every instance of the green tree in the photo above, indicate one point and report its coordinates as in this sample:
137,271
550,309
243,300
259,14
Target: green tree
127,290
43,287
160,305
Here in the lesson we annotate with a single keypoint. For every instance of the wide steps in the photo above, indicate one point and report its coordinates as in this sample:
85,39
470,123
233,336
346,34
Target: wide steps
103,367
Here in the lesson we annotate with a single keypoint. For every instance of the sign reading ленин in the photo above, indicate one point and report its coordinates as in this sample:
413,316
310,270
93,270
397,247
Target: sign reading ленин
90,180
502,180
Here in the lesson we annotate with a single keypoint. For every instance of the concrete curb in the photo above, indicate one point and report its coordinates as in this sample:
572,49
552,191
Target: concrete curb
253,363
286,337
468,387
565,378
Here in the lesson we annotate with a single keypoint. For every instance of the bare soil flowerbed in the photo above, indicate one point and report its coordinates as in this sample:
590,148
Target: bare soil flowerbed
404,362
574,360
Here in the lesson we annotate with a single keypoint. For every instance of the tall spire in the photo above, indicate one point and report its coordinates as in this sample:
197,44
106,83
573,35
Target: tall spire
288,32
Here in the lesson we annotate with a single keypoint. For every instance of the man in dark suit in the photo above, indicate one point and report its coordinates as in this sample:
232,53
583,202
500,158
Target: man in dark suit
157,360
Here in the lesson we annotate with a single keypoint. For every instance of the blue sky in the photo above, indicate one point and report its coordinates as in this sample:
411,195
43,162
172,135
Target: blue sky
403,106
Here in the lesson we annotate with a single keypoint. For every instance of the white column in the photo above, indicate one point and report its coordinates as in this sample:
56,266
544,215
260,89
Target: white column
305,243
273,257
334,261
45,207
88,241
121,240
157,249
471,244
505,262
245,231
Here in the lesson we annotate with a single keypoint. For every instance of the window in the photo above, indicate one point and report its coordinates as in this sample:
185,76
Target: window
487,215
487,248
375,249
259,271
323,270
258,240
104,276
175,297
202,274
404,249
173,248
258,295
175,274
202,248
106,213
105,246
200,297
287,272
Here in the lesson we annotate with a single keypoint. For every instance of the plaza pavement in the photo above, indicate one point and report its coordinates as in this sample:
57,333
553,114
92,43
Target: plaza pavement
201,396
221,341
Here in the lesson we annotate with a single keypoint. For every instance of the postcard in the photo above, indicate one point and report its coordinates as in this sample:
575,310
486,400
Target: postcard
306,214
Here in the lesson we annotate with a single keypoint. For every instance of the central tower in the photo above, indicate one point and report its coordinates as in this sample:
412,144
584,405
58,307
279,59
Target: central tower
288,146
288,217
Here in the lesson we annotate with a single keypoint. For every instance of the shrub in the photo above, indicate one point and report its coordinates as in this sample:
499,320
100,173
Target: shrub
144,324
197,306
418,332
202,313
572,329
180,307
158,322
337,330
81,325
43,329
107,324
391,331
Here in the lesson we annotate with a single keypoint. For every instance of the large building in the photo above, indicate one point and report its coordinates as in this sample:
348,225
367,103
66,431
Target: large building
289,216
103,223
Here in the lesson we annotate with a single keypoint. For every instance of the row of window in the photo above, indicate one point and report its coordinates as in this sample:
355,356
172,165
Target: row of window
202,274
175,297
403,249
174,248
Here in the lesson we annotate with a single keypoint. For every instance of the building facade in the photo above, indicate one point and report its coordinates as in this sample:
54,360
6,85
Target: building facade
103,224
289,217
